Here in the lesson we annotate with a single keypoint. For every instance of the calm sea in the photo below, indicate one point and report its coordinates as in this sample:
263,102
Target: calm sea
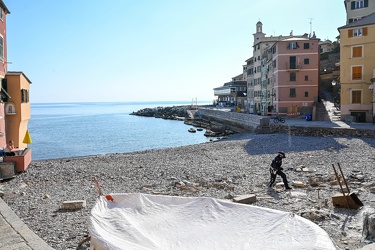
63,130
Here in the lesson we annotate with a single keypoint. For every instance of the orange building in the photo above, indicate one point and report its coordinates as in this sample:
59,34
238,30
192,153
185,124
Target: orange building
14,108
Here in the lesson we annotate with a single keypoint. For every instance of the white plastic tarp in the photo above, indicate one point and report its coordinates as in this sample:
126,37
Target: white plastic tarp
141,221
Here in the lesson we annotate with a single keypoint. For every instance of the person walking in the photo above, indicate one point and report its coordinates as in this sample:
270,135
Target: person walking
276,169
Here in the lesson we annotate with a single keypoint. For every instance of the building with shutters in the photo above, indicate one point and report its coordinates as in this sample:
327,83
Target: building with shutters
357,74
283,73
14,106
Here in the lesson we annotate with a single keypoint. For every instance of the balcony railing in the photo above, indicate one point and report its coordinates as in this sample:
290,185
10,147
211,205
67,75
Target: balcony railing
292,66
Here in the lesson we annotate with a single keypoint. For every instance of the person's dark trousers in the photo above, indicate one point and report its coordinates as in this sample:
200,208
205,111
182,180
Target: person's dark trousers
273,177
281,173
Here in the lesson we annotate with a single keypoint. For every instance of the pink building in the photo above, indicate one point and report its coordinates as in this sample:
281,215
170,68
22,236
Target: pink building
295,75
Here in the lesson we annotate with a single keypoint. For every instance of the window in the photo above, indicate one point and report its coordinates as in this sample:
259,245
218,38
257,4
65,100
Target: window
357,73
292,62
306,94
1,13
293,45
353,19
306,61
357,32
274,63
359,4
292,76
356,96
306,45
306,78
24,95
357,51
1,48
292,92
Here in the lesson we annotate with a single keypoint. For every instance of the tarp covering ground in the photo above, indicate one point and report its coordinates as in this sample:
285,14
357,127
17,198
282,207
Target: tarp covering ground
142,221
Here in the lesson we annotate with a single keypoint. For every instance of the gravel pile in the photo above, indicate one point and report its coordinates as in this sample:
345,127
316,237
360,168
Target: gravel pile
222,169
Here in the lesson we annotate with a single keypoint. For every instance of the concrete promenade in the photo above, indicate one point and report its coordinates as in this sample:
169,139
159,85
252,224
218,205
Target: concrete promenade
327,124
14,234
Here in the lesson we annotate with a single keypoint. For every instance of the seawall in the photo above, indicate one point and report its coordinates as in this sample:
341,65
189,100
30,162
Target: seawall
241,122
237,121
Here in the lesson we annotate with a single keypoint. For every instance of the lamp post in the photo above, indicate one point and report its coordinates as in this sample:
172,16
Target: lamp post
336,88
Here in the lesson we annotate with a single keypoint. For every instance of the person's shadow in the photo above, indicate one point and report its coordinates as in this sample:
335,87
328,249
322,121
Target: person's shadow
273,193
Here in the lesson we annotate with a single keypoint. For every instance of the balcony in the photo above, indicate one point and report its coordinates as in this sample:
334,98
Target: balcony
292,67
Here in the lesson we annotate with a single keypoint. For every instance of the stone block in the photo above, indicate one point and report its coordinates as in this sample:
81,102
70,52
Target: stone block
7,170
73,205
298,184
246,199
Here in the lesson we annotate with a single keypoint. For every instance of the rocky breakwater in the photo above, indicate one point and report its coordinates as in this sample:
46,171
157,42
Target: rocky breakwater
183,113
169,113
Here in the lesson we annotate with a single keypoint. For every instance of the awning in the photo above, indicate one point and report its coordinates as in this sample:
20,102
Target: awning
4,93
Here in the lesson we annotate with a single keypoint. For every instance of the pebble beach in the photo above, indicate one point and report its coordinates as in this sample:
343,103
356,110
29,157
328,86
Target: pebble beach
222,169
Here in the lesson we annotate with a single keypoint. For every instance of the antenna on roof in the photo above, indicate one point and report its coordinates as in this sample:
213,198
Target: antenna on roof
311,25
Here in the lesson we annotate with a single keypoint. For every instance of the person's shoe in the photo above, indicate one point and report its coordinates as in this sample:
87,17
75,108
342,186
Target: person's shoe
288,188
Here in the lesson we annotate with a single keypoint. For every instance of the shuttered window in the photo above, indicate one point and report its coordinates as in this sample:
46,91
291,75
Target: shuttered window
364,31
357,32
293,76
357,51
24,95
356,96
292,92
357,73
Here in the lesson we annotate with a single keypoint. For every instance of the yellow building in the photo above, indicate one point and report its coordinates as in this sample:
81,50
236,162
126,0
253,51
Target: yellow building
357,69
17,108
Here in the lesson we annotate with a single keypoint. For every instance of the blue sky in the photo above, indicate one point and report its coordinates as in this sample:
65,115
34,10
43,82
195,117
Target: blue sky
148,50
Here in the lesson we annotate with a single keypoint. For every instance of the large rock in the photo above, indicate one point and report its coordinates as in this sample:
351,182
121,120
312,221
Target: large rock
368,232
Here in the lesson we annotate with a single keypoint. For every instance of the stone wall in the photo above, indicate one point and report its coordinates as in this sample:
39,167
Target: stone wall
322,131
260,124
242,121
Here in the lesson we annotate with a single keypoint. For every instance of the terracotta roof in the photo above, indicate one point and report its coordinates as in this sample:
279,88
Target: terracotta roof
367,20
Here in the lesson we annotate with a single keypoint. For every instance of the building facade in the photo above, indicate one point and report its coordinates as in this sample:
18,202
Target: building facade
3,68
17,108
357,74
258,92
356,9
233,93
14,106
295,75
283,73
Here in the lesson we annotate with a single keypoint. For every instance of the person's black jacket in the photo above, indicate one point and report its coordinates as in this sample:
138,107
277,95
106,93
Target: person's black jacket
276,163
